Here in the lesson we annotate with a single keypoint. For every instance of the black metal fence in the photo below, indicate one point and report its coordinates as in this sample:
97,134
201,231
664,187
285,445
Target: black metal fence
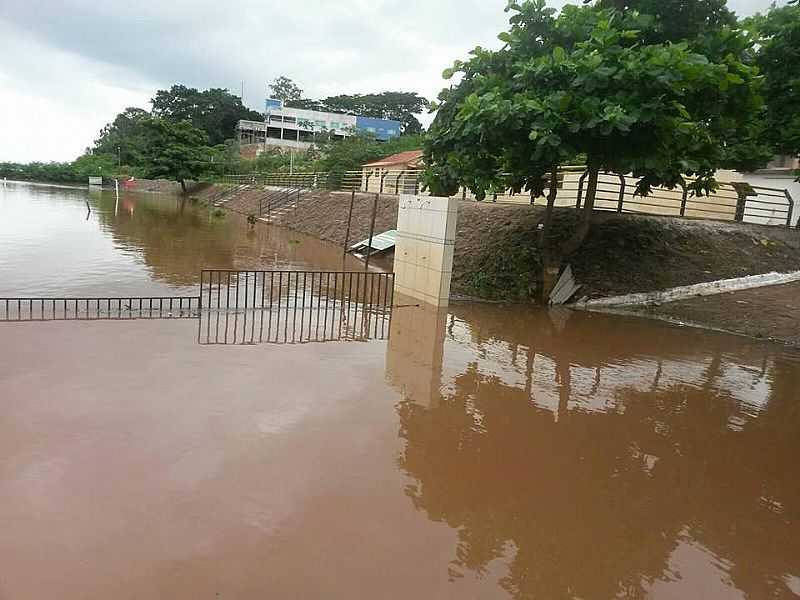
245,307
250,307
88,309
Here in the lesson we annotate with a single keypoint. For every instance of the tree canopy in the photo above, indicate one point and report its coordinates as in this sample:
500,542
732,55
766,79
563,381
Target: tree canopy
596,83
778,57
124,136
175,151
398,106
216,111
586,83
283,88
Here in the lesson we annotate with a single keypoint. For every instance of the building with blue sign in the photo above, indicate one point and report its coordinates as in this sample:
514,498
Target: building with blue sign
298,127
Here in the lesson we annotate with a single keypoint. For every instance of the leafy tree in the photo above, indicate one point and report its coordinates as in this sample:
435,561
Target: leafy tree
339,156
283,88
778,57
588,83
57,172
175,151
399,106
216,111
124,136
94,165
678,19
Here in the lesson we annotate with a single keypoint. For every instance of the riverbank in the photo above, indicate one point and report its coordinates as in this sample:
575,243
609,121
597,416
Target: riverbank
497,258
496,254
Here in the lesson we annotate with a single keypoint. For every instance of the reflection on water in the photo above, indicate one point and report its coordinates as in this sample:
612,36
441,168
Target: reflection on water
143,245
600,457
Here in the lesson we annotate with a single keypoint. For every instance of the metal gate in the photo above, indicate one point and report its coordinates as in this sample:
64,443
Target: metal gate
245,307
250,307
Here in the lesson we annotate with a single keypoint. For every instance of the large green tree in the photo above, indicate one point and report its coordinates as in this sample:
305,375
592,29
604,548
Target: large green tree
588,83
176,151
678,19
216,111
778,57
124,137
283,88
398,106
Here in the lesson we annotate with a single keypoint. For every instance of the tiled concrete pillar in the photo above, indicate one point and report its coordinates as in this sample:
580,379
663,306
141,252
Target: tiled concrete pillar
423,258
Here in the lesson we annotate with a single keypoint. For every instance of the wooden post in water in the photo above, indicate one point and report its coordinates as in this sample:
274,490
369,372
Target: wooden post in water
349,221
371,230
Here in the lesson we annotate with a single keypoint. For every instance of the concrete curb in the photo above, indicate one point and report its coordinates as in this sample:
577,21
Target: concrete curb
712,288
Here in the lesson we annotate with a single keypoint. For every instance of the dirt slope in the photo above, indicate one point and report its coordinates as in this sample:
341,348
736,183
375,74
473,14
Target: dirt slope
496,253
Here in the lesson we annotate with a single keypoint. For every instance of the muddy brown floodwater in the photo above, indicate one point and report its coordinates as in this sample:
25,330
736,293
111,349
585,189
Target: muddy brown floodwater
481,452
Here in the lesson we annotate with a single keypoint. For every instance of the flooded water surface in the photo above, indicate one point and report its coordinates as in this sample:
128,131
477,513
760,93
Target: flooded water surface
479,452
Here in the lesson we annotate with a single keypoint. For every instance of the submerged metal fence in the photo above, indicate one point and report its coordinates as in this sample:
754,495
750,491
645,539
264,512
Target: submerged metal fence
93,309
285,307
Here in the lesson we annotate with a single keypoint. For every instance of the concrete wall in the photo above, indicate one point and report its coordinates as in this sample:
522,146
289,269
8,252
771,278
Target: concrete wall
426,232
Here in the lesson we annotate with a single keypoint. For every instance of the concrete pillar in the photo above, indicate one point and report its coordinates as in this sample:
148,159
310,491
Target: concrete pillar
423,259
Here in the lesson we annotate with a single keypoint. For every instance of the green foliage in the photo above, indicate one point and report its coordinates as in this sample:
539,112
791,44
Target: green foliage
215,111
778,57
349,154
677,20
78,171
124,136
283,88
55,172
175,151
589,81
94,165
398,106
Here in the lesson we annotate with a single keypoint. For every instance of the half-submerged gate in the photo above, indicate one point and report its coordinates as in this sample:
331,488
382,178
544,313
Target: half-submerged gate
250,307
245,307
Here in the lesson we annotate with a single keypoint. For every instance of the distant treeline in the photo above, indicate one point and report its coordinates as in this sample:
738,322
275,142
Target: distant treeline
189,135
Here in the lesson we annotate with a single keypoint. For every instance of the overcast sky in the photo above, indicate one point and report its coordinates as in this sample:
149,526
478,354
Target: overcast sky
67,67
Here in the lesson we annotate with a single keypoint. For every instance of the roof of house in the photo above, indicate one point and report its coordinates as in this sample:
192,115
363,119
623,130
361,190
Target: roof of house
403,158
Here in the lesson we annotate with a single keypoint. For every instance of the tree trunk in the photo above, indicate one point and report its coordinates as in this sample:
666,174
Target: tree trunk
551,259
582,231
183,185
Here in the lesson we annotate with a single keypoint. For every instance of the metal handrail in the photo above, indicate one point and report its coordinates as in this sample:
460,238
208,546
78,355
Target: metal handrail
614,192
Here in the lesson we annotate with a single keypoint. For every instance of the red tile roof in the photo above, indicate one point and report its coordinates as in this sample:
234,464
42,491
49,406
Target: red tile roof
403,158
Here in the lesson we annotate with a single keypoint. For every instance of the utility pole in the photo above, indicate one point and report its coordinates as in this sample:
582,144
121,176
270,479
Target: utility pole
119,157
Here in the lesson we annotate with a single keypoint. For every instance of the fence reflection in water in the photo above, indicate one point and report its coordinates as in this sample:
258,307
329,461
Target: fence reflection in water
287,307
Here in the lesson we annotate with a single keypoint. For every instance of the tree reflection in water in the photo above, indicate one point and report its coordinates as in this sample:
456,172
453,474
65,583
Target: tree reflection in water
678,440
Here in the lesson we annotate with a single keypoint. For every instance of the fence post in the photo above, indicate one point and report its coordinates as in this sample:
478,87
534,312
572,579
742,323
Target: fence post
621,200
349,221
790,200
580,190
684,199
383,177
371,231
741,201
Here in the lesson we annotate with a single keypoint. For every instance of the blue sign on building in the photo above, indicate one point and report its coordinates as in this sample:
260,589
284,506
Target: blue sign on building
272,104
382,129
